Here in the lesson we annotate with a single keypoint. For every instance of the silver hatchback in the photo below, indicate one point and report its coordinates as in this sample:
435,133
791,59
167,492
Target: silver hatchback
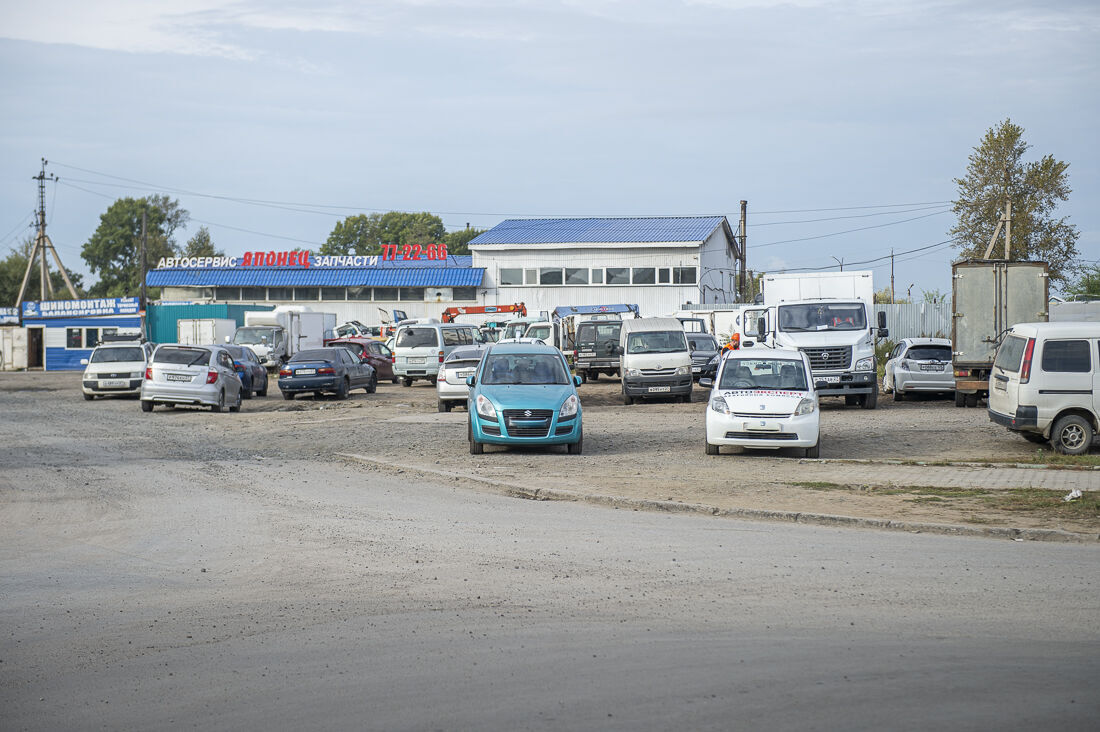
201,376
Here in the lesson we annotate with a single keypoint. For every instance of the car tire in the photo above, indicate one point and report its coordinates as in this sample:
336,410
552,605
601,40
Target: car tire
815,451
342,392
1072,435
395,379
960,399
89,397
237,407
686,398
443,406
221,402
972,400
711,449
476,448
406,381
246,391
870,401
593,375
263,392
1035,437
372,387
146,405
899,395
577,447
886,388
288,395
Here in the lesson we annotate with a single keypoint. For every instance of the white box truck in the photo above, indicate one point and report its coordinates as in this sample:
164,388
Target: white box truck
276,335
829,316
204,331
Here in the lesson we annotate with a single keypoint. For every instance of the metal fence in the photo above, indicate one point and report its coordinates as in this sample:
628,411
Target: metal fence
917,320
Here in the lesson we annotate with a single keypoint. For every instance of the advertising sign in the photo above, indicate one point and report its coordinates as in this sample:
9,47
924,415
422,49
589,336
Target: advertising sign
81,308
9,316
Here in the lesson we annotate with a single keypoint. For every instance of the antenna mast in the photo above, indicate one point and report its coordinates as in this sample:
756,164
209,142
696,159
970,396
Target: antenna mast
42,243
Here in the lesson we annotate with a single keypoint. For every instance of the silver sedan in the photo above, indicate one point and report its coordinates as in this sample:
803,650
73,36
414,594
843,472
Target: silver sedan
450,384
919,364
201,376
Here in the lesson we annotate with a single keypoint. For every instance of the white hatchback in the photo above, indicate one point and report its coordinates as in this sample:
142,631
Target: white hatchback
763,399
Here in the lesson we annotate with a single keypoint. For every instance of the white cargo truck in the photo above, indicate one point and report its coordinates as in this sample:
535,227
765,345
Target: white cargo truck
276,335
827,315
204,331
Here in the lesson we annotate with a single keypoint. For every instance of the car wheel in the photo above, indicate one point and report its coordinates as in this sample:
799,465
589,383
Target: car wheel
395,379
686,398
815,451
972,400
89,397
960,399
593,375
263,392
221,402
246,391
342,392
288,395
899,395
237,407
886,388
146,405
443,406
627,399
406,381
576,447
711,449
476,448
1072,435
1035,437
870,401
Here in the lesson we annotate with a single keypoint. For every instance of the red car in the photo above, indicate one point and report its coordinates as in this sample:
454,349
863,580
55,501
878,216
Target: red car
375,352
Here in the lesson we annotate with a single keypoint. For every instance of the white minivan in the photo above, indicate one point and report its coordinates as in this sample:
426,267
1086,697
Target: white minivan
654,359
420,347
1045,384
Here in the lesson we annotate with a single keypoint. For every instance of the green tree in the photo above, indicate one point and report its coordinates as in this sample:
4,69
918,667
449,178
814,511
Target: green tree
997,173
458,242
1087,286
933,296
367,233
14,266
201,245
113,251
884,296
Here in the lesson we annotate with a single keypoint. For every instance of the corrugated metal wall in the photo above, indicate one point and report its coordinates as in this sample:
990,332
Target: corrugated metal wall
161,319
917,320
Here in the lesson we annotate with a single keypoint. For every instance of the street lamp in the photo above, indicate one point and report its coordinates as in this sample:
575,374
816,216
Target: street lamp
840,262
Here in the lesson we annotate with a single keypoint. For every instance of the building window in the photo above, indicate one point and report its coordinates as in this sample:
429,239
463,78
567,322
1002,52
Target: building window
306,293
597,277
550,276
465,293
644,276
280,293
358,293
662,276
618,276
252,293
511,277
576,276
683,275
531,276
385,293
227,293
74,338
91,337
333,293
412,293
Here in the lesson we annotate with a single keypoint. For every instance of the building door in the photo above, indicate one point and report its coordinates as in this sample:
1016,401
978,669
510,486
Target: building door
35,350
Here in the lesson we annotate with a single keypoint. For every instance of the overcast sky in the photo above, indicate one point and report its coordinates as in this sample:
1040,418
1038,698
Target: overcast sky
480,110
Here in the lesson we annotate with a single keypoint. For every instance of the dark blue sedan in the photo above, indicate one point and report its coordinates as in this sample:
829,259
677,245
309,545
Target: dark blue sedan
252,373
333,370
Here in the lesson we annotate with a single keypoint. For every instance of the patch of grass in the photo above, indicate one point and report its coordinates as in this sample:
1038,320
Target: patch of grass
821,485
1049,457
1050,503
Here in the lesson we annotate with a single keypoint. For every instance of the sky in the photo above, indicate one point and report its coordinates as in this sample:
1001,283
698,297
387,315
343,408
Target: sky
843,123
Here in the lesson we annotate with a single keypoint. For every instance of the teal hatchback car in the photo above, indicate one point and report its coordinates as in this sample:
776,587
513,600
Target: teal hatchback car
523,394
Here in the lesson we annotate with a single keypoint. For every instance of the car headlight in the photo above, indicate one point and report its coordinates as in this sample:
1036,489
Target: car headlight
485,408
714,359
718,404
570,407
806,406
633,372
681,370
865,364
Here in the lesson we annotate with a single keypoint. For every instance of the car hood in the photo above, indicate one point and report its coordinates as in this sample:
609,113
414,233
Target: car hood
527,396
764,401
115,367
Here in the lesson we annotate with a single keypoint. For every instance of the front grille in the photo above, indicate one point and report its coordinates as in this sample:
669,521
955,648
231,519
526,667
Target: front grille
833,358
528,413
528,422
658,372
761,415
761,436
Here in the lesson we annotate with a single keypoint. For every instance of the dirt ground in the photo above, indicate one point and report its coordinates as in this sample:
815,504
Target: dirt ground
646,451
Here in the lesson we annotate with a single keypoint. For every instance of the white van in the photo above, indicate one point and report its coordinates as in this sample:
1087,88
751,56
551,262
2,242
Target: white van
654,360
420,347
1045,384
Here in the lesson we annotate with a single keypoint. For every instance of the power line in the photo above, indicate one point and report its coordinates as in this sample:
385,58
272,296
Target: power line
849,231
927,247
837,218
852,208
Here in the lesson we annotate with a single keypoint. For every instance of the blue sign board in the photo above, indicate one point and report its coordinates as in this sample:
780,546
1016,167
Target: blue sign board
9,316
81,308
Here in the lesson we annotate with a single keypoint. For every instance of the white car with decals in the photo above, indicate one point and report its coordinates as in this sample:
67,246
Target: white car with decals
763,399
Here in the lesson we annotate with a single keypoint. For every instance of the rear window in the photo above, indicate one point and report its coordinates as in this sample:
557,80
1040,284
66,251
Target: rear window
1011,353
465,354
929,353
116,355
1066,356
316,354
182,356
418,338
594,332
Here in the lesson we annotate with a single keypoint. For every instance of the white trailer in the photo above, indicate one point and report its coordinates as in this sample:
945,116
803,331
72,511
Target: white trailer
204,331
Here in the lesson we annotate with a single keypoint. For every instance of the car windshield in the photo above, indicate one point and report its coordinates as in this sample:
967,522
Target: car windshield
656,341
417,338
822,316
317,354
763,373
929,353
702,342
254,336
542,332
182,356
116,355
515,330
524,368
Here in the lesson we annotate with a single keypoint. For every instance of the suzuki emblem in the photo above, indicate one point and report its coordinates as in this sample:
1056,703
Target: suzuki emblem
527,413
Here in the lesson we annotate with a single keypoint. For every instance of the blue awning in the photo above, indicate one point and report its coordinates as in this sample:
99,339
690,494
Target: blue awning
317,277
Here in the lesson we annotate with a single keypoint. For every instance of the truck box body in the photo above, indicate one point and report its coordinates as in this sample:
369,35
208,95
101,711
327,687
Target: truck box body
782,288
299,329
988,298
204,331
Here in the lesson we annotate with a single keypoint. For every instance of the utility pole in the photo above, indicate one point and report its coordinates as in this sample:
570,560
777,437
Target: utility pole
42,243
891,276
742,232
1005,221
141,303
840,262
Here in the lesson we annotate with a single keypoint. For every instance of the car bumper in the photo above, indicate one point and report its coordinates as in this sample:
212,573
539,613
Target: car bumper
452,392
565,432
94,387
1025,420
656,386
796,431
924,381
309,383
846,383
206,394
416,370
596,364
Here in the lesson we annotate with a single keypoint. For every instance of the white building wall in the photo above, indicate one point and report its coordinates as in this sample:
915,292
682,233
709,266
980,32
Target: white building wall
717,265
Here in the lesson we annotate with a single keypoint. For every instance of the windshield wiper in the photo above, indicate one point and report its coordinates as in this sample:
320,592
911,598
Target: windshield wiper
196,359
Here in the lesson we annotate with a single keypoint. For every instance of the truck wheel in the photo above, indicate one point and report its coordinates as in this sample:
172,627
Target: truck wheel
711,449
146,405
288,395
972,400
406,381
594,375
960,399
870,401
1072,435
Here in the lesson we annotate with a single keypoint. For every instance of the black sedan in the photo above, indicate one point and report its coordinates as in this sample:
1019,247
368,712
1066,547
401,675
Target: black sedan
703,347
319,370
252,373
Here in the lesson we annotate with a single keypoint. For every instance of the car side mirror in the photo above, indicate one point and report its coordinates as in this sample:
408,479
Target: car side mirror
818,385
576,381
83,362
706,382
883,333
471,381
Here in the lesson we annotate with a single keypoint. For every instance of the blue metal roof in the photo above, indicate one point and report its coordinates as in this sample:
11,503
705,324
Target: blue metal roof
603,230
456,271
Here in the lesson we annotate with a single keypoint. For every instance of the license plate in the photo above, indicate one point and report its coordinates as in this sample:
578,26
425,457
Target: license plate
654,389
305,372
113,383
761,426
930,367
177,377
414,360
828,379
696,369
467,372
